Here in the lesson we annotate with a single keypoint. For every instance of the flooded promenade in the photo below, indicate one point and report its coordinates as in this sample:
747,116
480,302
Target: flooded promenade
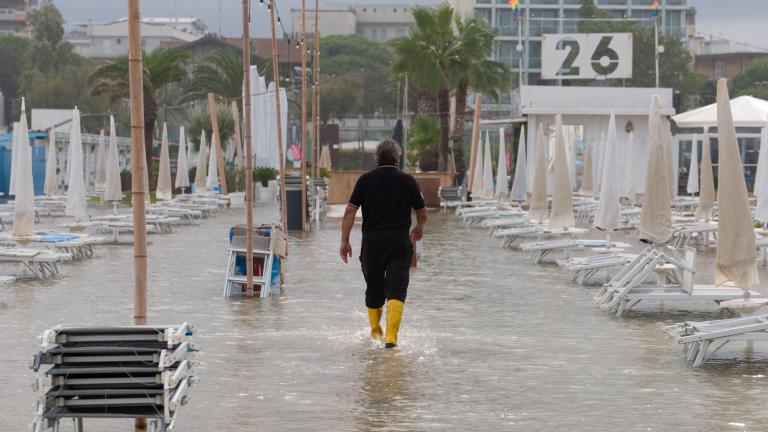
488,342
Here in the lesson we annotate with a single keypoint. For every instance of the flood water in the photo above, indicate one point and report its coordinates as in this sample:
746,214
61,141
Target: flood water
488,342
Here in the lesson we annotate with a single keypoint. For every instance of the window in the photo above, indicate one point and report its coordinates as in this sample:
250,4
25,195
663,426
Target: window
483,15
644,17
535,55
612,2
118,41
360,32
506,23
543,21
383,33
506,52
642,2
719,69
374,34
544,2
570,25
400,32
674,25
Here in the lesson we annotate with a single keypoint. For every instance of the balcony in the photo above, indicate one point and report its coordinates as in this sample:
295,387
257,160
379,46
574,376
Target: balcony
12,15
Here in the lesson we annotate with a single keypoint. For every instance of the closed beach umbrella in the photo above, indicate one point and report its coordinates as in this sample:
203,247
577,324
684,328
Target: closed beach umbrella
629,191
597,173
101,162
477,170
51,186
113,188
562,203
14,157
693,170
656,215
325,158
520,183
736,253
538,205
501,173
762,163
212,181
586,176
487,169
706,181
164,189
24,205
182,165
76,206
202,165
608,216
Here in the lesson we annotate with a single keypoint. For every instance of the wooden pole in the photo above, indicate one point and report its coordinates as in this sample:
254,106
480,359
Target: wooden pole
138,171
316,89
475,139
238,137
248,150
303,145
222,167
278,118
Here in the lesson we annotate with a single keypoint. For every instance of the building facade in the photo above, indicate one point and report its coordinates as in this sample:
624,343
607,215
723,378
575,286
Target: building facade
540,17
110,40
375,22
719,58
13,16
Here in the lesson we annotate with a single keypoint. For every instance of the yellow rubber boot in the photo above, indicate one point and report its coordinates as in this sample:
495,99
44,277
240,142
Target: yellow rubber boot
374,317
394,315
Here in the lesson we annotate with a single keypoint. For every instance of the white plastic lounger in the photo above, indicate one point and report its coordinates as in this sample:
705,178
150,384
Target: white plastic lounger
41,264
542,249
625,291
696,338
496,224
7,280
583,269
511,235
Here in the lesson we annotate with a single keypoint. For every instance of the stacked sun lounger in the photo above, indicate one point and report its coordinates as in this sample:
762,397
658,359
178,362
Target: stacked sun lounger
113,372
697,338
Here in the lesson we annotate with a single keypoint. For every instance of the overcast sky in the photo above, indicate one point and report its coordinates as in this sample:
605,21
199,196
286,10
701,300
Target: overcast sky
738,20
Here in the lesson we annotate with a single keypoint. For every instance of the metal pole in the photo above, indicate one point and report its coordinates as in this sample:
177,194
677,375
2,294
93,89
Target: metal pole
138,171
222,167
656,47
303,145
248,150
278,118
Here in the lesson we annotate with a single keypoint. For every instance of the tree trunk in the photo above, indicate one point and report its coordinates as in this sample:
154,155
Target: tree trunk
458,128
443,108
425,103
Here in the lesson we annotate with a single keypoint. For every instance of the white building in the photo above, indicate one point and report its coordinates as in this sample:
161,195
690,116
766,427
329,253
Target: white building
110,40
375,22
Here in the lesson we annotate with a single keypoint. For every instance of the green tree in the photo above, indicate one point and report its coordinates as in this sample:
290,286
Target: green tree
753,81
162,67
13,52
200,120
48,49
221,74
423,143
341,97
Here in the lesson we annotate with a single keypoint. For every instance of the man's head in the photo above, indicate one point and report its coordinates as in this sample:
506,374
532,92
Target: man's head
388,153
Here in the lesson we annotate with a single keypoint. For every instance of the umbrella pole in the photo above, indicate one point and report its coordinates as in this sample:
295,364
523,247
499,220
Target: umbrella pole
475,139
219,155
248,151
278,117
302,145
138,168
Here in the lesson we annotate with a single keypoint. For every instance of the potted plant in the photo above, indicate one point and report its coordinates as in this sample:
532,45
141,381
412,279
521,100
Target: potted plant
262,176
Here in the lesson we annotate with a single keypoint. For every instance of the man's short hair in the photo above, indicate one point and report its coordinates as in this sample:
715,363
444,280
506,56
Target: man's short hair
387,153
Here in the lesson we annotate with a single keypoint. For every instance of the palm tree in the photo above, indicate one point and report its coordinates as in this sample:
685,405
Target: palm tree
474,71
427,55
221,74
161,68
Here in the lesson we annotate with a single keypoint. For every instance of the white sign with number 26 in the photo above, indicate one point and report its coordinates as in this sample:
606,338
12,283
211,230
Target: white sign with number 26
586,56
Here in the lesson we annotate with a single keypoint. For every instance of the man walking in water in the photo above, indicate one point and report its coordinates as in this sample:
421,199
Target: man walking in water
387,196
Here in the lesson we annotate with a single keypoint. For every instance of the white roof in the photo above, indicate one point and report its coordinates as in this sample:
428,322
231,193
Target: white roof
747,111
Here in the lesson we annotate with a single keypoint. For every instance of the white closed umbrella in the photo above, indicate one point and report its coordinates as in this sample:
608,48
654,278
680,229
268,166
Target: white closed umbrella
736,254
182,163
487,169
762,163
113,189
586,176
520,183
164,190
477,170
656,214
101,162
24,204
706,181
76,205
325,158
597,173
51,186
202,165
538,205
693,169
629,191
608,216
562,200
502,191
14,157
212,181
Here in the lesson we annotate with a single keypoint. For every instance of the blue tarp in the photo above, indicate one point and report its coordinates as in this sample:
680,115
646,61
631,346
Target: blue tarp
38,162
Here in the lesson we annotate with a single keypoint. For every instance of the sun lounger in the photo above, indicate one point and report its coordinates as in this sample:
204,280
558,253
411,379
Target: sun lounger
697,338
627,290
541,249
450,196
582,270
40,264
511,235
